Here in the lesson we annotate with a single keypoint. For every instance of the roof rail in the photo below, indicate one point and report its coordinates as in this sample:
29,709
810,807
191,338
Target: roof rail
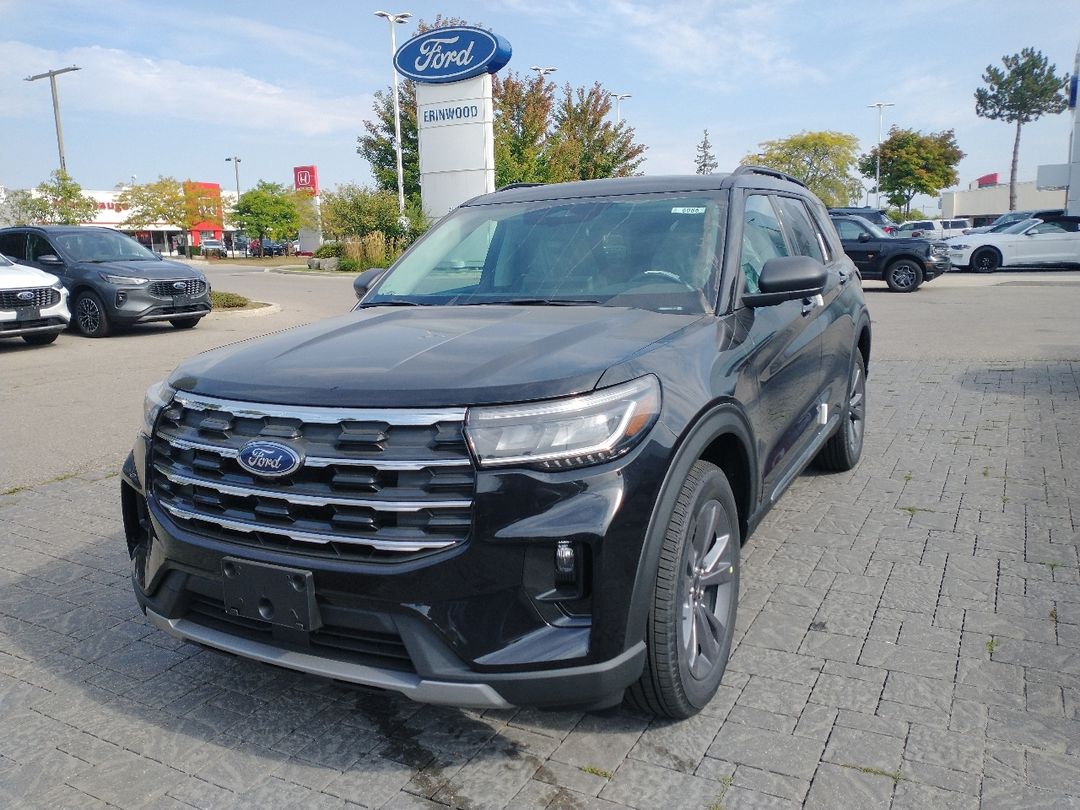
779,175
509,186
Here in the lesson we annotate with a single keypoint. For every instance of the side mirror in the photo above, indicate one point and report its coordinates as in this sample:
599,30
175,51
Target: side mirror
50,258
366,280
786,278
864,236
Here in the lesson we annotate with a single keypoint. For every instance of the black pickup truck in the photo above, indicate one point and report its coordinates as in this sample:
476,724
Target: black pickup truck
902,263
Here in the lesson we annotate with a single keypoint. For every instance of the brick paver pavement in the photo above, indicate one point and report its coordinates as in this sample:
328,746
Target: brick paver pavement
908,637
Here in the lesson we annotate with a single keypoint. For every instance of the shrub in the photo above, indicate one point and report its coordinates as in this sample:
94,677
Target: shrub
348,265
330,250
228,300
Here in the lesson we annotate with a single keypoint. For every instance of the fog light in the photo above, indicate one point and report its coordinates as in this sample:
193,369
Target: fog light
121,297
566,564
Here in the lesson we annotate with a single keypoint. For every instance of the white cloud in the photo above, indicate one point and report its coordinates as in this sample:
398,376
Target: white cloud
128,84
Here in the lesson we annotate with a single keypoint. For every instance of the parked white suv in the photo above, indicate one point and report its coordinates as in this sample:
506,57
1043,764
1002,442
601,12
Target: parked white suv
934,228
33,304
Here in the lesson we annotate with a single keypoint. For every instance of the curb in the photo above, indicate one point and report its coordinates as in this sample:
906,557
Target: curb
256,312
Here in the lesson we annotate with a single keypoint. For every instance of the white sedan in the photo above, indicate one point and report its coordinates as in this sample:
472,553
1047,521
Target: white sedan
1032,243
33,304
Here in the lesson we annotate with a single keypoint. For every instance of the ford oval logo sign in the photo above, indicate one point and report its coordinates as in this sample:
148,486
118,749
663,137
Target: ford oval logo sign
25,295
269,459
451,54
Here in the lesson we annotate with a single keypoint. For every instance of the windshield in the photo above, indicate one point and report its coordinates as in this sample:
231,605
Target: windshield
653,251
5,261
1017,227
102,246
877,231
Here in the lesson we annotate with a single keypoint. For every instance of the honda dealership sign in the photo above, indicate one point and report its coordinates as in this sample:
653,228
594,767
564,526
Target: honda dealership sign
454,113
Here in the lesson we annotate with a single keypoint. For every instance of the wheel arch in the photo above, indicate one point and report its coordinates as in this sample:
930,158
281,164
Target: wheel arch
721,436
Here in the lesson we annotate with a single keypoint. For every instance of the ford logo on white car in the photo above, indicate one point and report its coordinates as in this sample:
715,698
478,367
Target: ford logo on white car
25,295
269,459
451,54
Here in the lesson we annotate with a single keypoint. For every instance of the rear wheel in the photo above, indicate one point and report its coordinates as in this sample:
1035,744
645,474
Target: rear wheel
903,275
184,323
695,596
90,317
40,340
985,260
844,448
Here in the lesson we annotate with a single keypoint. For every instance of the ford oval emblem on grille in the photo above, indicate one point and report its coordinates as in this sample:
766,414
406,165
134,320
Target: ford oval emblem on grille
25,295
269,459
179,285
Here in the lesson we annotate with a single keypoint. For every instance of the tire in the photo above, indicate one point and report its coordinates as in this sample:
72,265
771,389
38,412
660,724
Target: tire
695,597
903,275
90,318
985,260
185,323
844,448
41,340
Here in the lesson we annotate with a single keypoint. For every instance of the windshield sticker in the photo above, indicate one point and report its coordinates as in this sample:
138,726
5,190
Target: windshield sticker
688,210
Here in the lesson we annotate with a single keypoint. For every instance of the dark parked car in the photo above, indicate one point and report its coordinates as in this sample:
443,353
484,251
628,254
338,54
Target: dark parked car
272,248
879,218
904,263
522,469
113,281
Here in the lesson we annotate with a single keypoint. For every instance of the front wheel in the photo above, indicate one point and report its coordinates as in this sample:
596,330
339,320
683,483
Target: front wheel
844,448
184,323
903,275
90,317
40,340
986,260
695,596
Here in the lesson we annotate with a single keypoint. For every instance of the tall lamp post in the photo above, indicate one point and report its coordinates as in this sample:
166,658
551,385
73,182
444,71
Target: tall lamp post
401,18
235,161
543,71
618,105
881,105
52,74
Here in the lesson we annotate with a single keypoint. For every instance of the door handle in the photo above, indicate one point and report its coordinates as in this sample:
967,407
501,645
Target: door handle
809,304
845,277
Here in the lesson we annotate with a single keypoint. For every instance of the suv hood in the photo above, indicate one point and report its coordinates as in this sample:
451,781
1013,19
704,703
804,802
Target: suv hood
19,277
430,356
148,269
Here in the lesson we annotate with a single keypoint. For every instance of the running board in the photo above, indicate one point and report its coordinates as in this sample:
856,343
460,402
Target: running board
808,454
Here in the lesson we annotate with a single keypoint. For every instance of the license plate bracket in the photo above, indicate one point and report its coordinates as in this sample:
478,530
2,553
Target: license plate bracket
27,314
270,593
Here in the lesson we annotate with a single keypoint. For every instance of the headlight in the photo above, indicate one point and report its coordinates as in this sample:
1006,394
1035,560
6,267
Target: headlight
122,280
58,286
563,433
157,397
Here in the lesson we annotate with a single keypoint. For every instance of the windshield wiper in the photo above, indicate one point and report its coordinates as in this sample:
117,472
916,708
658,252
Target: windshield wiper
391,304
532,302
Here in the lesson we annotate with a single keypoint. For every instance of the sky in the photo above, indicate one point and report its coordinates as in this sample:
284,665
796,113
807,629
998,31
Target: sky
172,89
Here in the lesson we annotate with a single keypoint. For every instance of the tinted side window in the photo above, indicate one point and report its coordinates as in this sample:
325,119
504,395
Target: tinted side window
37,247
13,245
762,239
847,228
800,230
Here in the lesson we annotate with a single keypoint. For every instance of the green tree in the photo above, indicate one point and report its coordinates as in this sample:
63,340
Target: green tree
522,120
56,201
166,201
352,210
705,162
1026,90
269,210
585,144
823,160
913,163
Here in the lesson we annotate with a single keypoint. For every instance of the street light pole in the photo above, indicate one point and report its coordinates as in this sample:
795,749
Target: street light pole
881,105
402,18
52,74
543,71
235,161
618,105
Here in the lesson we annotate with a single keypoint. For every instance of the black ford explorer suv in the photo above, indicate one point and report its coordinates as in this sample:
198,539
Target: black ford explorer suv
113,281
903,263
521,469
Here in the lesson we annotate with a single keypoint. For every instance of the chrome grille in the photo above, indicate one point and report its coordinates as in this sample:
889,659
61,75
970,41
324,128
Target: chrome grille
41,297
165,289
375,485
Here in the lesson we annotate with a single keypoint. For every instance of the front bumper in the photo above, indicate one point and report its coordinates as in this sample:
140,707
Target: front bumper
130,305
33,321
936,266
479,625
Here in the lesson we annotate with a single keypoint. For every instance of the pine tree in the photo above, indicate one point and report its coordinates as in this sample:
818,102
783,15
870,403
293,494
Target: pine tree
705,160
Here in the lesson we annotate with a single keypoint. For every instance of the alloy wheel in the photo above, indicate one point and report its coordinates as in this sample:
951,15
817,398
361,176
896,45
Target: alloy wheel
708,588
89,315
856,410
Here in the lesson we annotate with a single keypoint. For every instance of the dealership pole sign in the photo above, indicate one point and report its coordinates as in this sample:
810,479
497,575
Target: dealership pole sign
455,116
